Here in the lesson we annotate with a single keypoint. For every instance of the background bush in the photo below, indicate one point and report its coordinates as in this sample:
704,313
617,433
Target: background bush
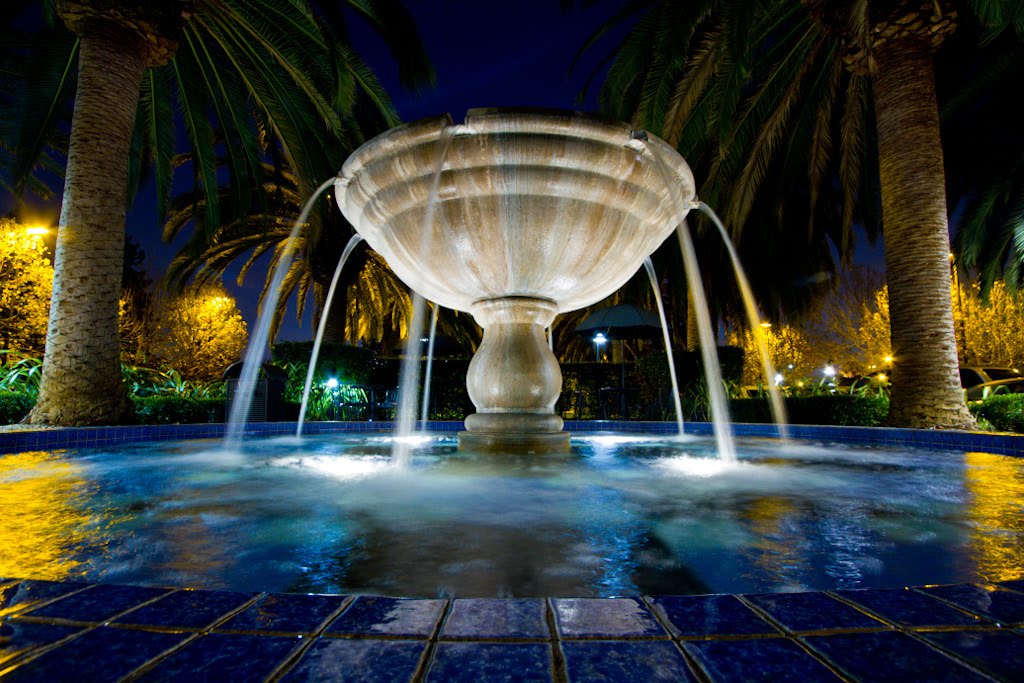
1005,413
14,406
836,409
163,410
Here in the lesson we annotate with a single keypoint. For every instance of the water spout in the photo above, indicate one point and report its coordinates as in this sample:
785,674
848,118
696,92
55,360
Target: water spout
649,265
410,373
754,320
425,408
352,244
258,341
708,348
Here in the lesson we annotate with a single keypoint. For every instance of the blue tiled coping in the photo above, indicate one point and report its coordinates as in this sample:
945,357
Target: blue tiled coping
84,437
62,631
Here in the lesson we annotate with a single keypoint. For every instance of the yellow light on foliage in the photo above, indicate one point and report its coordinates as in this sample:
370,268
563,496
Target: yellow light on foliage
888,359
37,230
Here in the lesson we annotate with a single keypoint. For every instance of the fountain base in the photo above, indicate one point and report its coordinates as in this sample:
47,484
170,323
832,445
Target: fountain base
533,433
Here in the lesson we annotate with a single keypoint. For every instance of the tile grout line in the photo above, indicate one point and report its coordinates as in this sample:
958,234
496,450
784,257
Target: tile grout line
427,657
155,661
296,653
691,662
88,627
559,666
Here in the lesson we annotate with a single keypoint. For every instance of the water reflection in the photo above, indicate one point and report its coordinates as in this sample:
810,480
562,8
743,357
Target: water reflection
45,526
995,512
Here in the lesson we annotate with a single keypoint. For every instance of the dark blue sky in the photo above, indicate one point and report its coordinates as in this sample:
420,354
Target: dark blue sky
485,54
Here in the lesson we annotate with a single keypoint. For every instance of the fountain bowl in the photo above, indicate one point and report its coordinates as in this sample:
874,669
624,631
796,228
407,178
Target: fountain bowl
535,214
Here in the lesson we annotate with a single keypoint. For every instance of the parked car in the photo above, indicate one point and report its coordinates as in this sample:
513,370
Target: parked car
972,376
980,392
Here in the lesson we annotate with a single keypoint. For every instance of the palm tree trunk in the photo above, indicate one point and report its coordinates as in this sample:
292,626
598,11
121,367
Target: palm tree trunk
81,382
926,387
334,332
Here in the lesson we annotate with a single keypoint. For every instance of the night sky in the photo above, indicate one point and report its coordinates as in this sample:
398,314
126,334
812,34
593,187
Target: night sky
485,53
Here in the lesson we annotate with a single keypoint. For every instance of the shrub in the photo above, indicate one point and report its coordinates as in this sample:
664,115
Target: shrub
1004,413
837,409
161,410
348,364
14,406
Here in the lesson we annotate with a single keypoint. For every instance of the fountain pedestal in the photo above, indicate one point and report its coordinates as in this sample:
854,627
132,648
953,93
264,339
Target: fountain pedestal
514,380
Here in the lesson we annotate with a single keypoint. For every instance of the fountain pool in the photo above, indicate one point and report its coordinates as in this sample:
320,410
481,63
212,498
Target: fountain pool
619,515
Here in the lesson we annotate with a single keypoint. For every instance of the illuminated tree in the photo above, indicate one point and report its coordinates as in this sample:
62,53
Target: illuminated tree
26,280
199,332
787,347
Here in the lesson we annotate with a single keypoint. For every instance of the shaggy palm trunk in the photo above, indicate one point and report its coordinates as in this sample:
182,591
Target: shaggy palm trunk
926,387
81,382
334,332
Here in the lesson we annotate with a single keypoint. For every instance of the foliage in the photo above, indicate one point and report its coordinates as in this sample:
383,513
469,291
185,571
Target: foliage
14,406
143,382
177,410
347,364
26,281
788,349
835,409
199,332
989,324
20,373
1004,413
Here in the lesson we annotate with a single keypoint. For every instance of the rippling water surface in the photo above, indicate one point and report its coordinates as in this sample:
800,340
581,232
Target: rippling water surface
619,515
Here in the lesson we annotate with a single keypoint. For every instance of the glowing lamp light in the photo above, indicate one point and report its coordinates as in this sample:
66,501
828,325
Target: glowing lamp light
766,325
599,338
779,379
829,371
37,231
887,359
424,340
791,366
332,383
882,377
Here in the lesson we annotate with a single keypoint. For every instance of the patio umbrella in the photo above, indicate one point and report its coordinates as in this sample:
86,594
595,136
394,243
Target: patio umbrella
621,322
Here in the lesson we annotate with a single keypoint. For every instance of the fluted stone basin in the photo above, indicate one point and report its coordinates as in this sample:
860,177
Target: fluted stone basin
536,213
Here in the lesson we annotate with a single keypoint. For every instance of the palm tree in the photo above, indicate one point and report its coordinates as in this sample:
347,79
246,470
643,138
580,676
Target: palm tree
281,68
761,87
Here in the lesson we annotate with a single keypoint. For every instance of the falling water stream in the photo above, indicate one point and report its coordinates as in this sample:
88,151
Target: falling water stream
352,244
425,407
242,399
754,321
410,373
708,348
649,265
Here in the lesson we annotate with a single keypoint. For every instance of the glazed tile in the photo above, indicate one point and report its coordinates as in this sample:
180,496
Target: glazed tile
478,618
632,660
908,608
474,662
285,613
27,594
19,637
1003,606
802,612
225,657
604,618
394,617
762,659
102,654
187,609
1000,653
358,661
888,656
700,616
98,603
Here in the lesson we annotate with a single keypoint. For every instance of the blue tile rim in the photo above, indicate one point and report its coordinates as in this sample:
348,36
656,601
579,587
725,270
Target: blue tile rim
18,441
675,648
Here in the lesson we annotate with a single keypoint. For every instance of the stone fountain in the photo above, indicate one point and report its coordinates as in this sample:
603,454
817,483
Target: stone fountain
536,214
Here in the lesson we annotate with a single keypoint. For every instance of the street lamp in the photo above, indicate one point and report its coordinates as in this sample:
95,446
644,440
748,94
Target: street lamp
599,340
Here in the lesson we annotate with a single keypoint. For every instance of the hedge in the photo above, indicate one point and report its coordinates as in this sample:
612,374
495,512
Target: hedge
839,409
14,406
1005,413
164,410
